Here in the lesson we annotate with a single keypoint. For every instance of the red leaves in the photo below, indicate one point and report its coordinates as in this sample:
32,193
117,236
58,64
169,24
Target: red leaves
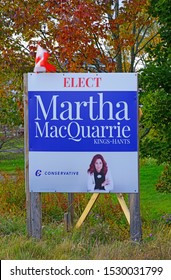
76,31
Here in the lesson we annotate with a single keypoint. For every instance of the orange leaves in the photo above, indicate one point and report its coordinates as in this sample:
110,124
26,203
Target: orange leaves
76,31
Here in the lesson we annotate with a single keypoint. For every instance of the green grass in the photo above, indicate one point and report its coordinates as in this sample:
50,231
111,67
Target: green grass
57,244
153,203
10,163
12,156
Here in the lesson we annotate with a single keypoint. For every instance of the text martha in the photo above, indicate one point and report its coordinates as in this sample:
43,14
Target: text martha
77,120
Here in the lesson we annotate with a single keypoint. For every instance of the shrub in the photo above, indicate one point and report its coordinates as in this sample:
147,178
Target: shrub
12,193
164,182
54,205
156,148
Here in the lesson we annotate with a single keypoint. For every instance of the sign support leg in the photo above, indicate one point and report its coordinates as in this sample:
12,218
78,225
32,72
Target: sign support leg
36,215
135,219
124,206
33,200
69,216
71,208
87,209
92,202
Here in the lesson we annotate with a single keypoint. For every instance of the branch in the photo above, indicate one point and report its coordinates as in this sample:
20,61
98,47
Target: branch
146,43
98,45
145,132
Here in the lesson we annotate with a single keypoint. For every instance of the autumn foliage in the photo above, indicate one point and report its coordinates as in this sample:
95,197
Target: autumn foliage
80,35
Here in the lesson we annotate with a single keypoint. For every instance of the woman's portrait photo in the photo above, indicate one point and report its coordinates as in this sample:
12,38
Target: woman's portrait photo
99,177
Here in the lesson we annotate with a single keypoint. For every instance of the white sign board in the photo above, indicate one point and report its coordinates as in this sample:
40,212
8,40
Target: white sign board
83,132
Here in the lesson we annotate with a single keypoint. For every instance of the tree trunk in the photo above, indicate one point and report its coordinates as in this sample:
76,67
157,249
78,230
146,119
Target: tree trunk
118,55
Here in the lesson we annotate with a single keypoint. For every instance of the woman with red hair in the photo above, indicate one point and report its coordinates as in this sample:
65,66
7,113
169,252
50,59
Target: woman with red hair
99,177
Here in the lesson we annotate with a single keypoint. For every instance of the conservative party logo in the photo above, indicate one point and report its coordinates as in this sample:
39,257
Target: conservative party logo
38,172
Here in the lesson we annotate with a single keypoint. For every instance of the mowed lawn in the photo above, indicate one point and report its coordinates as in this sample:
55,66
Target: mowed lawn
153,203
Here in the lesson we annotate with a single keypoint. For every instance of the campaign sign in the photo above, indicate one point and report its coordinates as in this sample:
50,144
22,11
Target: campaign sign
83,132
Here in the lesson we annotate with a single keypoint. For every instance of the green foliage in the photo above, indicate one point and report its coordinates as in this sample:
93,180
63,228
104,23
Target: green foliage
155,80
11,94
164,182
161,9
11,106
156,148
147,161
157,116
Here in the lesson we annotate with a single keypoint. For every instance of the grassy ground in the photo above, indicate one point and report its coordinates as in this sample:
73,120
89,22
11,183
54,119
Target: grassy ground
105,233
153,203
12,156
10,162
56,244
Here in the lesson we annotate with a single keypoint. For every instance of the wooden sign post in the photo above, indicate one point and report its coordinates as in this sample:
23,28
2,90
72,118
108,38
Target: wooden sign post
33,199
135,218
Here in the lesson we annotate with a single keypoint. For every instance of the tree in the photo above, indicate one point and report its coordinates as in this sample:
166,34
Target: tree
11,107
89,35
97,35
155,81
